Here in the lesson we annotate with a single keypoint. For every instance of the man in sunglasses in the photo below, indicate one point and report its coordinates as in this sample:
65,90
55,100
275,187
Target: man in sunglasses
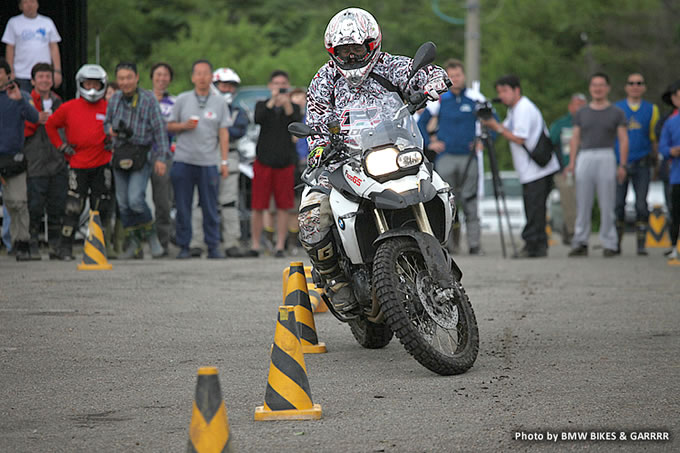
641,117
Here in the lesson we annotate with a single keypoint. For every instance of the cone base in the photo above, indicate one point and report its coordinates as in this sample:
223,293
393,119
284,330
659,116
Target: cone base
320,307
95,267
261,414
674,262
318,348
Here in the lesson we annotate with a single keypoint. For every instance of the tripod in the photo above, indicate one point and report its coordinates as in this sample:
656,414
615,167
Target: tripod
498,190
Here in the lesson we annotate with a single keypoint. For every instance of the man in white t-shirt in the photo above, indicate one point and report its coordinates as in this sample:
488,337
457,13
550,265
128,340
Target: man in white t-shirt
522,128
31,38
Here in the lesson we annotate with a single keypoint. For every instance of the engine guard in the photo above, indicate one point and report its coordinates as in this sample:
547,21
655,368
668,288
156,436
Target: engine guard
437,261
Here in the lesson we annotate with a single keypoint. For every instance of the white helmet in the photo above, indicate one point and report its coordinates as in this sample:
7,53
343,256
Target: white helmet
91,72
226,75
354,26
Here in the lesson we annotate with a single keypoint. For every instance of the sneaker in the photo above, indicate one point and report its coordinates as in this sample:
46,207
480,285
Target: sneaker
184,254
526,253
196,252
252,253
279,254
34,250
476,251
62,254
215,253
234,252
608,253
581,250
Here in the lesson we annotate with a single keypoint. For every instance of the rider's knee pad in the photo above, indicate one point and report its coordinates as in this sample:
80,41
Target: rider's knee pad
73,206
314,217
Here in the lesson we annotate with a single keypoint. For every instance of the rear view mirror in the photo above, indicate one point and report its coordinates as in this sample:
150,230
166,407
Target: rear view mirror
425,55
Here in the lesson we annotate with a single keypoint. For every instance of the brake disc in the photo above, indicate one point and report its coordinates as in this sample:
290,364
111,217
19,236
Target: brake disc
437,302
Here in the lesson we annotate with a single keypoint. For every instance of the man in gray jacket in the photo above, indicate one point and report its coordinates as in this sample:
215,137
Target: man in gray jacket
47,170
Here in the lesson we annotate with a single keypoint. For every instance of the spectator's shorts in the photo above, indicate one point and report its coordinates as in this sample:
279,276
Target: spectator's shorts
276,181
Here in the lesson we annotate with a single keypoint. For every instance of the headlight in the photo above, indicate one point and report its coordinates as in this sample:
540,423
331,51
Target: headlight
409,159
382,161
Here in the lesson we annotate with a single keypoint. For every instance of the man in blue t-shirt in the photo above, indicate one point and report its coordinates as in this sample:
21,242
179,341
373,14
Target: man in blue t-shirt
456,148
641,117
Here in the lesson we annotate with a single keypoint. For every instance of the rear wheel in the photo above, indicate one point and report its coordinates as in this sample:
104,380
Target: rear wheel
369,334
436,326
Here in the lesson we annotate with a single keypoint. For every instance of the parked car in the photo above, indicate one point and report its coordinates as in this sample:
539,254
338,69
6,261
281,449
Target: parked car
488,215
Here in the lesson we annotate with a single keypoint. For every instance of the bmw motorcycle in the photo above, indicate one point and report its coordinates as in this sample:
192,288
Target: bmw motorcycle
392,216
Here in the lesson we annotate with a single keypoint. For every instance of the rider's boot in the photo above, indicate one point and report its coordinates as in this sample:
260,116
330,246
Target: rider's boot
324,257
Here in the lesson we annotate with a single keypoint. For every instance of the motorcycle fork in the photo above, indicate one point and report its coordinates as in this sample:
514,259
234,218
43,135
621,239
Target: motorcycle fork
419,213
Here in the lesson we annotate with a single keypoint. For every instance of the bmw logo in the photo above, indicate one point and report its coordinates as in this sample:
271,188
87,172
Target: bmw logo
341,224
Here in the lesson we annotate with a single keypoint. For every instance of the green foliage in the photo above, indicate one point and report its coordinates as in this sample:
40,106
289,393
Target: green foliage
552,45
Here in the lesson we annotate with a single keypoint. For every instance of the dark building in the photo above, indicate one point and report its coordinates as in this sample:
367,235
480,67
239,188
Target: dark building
70,17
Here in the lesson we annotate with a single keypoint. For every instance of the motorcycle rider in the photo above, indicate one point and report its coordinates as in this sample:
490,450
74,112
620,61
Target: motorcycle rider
357,70
85,150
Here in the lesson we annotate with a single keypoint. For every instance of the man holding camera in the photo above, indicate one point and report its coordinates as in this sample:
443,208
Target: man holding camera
85,151
523,127
456,147
274,166
134,120
15,108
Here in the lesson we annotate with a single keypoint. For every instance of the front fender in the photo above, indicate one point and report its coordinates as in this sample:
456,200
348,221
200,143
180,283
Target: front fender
439,264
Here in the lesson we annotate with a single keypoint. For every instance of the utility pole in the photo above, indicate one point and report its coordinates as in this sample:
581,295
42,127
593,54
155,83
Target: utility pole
473,38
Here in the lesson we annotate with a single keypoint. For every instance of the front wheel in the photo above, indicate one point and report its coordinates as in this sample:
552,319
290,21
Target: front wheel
436,326
369,334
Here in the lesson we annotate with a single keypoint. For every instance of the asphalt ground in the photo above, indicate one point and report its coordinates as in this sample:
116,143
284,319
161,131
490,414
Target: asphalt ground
107,360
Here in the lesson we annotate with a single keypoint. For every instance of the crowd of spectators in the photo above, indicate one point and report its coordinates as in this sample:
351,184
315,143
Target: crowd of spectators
112,141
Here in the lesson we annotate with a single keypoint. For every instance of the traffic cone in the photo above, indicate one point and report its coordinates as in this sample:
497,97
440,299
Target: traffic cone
94,253
298,297
548,232
288,396
315,292
657,232
209,428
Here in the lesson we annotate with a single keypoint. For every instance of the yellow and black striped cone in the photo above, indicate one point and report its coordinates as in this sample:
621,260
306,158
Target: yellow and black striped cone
657,232
315,292
209,428
94,253
288,396
298,297
548,232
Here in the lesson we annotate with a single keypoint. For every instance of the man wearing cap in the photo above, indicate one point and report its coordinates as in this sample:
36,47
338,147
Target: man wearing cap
641,117
560,135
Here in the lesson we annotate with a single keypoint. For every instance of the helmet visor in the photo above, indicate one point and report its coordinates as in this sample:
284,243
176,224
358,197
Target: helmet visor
352,54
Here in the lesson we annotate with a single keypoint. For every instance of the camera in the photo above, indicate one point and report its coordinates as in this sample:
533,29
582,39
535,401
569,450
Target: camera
123,130
484,110
8,84
283,90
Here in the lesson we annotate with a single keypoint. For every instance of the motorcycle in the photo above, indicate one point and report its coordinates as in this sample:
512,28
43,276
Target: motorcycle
392,216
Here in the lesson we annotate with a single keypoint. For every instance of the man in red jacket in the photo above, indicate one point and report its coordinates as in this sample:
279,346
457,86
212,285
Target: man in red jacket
89,161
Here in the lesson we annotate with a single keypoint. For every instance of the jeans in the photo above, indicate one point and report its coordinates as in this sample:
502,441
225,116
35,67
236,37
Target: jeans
131,196
185,177
639,175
